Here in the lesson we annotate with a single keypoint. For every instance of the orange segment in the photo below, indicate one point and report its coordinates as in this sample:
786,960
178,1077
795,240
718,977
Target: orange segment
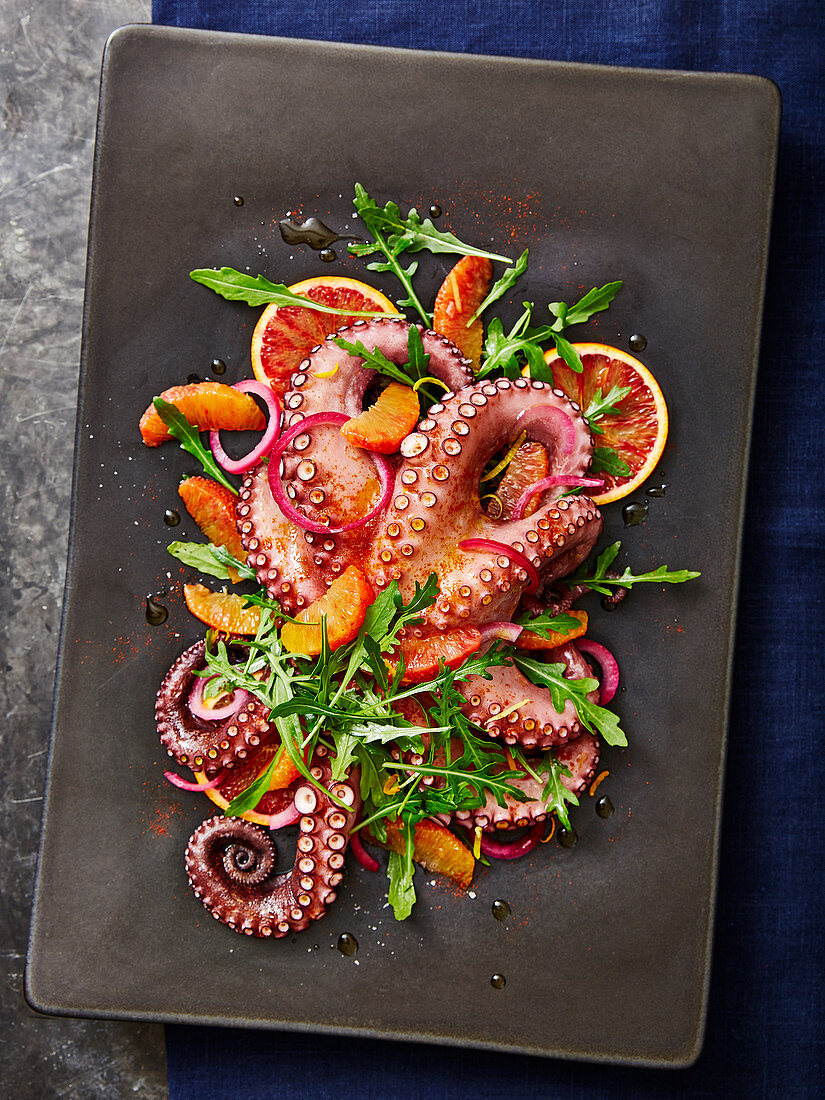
529,465
345,606
383,425
460,295
222,611
422,656
207,405
640,432
436,849
245,773
212,506
284,336
528,639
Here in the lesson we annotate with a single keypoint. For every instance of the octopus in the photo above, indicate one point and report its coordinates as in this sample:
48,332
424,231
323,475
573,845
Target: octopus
489,569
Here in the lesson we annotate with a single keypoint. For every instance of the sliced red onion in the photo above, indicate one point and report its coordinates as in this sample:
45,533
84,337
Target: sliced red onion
609,665
186,785
361,854
201,709
512,849
493,547
567,480
286,817
239,465
385,473
555,423
506,632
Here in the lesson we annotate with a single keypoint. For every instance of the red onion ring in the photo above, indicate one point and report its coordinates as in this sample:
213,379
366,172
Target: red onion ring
609,665
239,465
512,849
213,714
286,817
186,785
506,632
361,853
552,419
547,482
385,473
493,547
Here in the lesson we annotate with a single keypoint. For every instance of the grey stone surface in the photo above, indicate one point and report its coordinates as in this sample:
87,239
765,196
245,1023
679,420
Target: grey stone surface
50,53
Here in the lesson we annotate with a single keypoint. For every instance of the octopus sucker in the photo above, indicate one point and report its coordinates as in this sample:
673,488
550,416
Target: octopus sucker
231,865
196,742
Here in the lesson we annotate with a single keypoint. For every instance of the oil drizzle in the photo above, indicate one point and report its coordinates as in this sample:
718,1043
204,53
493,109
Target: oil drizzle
657,490
604,807
637,342
171,518
347,943
501,910
156,613
314,233
633,514
193,379
498,981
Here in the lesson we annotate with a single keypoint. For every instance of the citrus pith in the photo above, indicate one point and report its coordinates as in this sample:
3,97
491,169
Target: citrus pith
285,335
245,773
638,432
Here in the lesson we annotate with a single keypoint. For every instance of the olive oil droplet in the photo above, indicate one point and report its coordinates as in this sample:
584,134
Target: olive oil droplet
633,514
656,490
498,981
501,910
568,837
171,518
238,200
637,342
435,211
327,255
218,366
156,613
347,943
312,232
604,807
194,378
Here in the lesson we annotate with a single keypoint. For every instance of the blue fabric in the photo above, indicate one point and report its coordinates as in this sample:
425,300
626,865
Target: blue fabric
765,1034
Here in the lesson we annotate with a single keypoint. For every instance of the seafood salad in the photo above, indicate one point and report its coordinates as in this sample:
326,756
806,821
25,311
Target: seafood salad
403,666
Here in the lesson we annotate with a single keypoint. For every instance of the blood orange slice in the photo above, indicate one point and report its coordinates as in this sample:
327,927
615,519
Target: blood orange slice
207,405
223,611
245,773
638,432
460,295
285,335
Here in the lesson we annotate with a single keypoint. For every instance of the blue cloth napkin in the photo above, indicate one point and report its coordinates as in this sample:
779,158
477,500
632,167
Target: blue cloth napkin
765,1035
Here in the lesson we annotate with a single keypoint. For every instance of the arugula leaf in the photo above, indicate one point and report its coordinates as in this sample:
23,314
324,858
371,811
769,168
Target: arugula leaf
411,234
407,373
592,717
595,300
546,623
222,555
199,556
502,285
401,892
568,353
189,438
602,405
257,290
600,582
555,795
606,460
381,224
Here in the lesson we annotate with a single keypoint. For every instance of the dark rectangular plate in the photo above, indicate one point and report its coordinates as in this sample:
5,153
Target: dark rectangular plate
662,179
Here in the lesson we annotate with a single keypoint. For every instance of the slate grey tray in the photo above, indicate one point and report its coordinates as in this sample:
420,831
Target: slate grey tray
662,179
